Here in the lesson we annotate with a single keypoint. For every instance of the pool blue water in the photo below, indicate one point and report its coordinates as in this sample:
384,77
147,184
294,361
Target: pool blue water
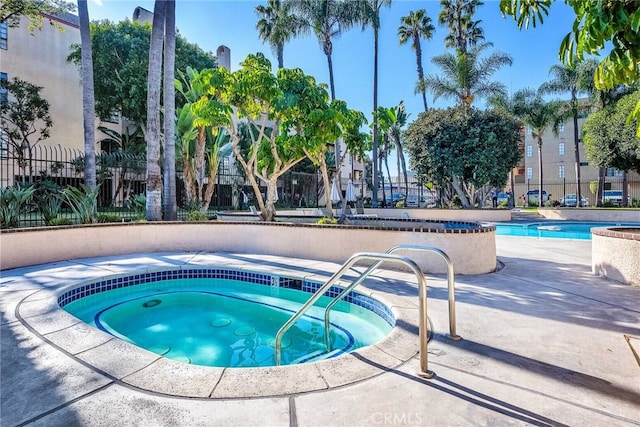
555,229
228,323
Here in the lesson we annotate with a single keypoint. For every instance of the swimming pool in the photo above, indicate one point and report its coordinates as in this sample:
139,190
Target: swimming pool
225,318
554,229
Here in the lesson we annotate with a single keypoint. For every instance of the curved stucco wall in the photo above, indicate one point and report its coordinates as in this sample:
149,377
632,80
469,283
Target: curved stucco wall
615,253
472,251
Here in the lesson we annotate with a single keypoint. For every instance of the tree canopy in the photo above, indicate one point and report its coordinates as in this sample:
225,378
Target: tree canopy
121,62
465,148
609,140
12,10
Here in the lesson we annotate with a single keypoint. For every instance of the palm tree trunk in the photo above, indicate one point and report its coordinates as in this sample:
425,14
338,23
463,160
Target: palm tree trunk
154,174
576,150
331,83
416,42
169,200
280,52
88,102
540,177
374,161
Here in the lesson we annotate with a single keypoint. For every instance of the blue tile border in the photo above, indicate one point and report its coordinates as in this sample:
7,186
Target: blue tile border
303,285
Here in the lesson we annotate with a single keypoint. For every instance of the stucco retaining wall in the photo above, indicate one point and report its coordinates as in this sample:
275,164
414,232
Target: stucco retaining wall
604,215
482,215
615,253
472,251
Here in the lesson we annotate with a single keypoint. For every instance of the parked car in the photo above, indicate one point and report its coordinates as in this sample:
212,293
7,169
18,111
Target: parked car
614,197
532,196
571,200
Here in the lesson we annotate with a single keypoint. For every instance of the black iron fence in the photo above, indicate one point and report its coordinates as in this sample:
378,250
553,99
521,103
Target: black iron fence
121,179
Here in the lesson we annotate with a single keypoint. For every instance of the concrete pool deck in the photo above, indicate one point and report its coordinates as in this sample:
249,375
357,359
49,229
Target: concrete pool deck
545,342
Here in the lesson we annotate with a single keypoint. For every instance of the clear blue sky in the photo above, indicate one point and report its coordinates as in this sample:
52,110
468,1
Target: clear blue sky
210,23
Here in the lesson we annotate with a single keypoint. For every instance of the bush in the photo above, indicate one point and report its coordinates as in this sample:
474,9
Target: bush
608,204
635,203
82,202
197,216
102,218
552,203
59,221
400,204
327,220
13,200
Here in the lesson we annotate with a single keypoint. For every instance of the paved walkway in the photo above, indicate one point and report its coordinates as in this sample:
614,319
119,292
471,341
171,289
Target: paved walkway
544,343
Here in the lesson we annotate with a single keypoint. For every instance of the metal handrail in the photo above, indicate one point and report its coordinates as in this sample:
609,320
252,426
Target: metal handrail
450,282
422,296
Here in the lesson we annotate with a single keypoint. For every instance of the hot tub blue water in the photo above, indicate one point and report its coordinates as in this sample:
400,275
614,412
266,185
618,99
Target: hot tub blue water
226,322
554,229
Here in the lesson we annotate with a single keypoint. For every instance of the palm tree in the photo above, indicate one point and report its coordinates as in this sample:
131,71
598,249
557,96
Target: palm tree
276,26
465,76
170,207
415,26
392,120
154,174
575,79
327,19
539,115
376,5
463,30
88,102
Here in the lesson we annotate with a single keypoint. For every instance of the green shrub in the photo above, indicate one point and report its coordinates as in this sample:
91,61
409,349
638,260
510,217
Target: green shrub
197,216
635,203
608,204
400,204
552,203
83,202
327,220
13,200
102,218
59,221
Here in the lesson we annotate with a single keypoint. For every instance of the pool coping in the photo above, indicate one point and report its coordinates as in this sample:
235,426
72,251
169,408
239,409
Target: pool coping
134,367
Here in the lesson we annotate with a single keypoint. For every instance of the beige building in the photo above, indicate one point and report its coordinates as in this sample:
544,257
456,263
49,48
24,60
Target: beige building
40,59
558,166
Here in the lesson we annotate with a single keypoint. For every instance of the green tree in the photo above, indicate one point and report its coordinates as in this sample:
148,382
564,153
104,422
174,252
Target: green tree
609,140
152,134
121,62
468,149
328,19
574,79
415,26
12,10
26,120
392,121
465,76
88,103
276,26
457,16
597,23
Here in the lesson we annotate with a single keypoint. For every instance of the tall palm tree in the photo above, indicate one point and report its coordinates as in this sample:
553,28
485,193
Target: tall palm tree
465,76
169,201
415,26
88,101
154,174
376,5
327,19
392,120
575,79
539,115
276,26
457,16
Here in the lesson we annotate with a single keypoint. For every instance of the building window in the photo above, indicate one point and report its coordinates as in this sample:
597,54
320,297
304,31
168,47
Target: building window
4,144
3,90
529,172
614,172
561,148
529,131
529,150
561,127
561,171
3,36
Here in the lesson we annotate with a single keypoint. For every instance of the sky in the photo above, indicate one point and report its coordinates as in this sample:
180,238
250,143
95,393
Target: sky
211,23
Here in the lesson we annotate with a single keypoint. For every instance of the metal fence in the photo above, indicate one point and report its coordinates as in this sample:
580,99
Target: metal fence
121,178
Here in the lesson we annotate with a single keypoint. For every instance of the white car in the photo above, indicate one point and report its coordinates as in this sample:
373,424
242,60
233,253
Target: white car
571,200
